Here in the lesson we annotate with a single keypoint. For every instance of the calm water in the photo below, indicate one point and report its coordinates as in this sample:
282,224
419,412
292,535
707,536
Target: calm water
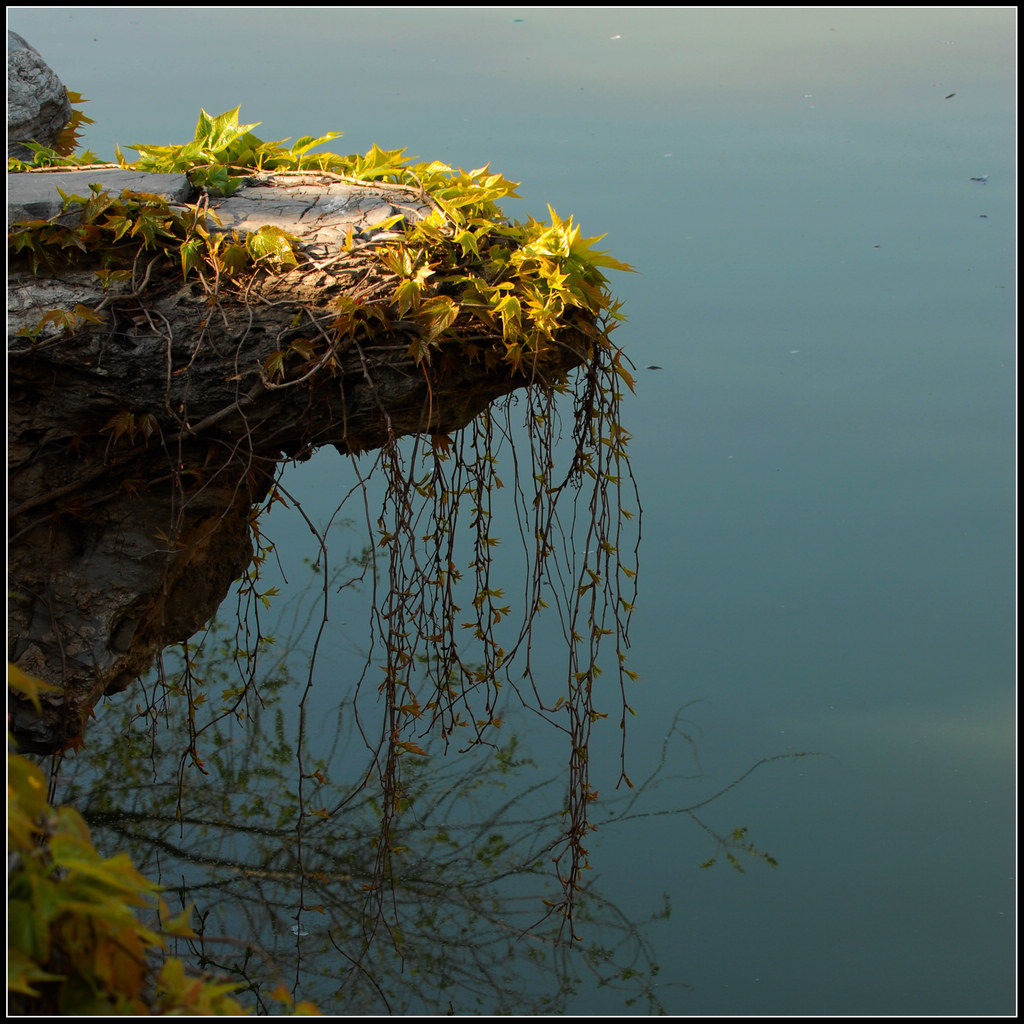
825,457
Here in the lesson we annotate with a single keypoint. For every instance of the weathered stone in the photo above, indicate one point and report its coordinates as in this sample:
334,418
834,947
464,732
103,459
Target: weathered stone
121,543
318,208
38,108
34,196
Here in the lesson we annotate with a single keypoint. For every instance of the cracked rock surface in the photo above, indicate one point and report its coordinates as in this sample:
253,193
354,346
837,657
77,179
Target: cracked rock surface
38,107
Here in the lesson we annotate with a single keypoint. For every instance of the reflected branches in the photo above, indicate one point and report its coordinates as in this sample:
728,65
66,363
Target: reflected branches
461,927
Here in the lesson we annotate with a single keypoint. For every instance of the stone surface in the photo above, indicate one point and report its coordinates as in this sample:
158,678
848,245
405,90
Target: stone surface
34,195
320,209
38,107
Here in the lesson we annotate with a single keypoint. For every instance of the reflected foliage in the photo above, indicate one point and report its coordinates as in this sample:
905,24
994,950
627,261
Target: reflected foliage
464,928
468,921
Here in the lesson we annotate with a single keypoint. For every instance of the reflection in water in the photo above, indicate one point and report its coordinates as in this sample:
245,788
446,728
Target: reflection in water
827,534
281,867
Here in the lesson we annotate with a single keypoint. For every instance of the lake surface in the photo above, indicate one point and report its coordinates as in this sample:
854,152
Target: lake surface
825,455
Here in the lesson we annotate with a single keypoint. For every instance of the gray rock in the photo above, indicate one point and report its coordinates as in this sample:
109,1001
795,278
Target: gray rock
116,551
34,196
319,208
38,107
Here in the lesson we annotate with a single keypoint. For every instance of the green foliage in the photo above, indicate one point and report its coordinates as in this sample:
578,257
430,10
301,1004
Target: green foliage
463,283
463,270
76,940
223,153
110,233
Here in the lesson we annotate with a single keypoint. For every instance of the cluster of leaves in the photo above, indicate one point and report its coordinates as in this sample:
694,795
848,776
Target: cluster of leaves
524,283
223,153
464,268
77,943
111,233
67,144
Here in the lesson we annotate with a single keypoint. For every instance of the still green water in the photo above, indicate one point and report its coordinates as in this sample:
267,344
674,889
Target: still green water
825,456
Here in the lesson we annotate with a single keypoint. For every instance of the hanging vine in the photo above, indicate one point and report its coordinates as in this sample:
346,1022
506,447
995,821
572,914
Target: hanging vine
451,285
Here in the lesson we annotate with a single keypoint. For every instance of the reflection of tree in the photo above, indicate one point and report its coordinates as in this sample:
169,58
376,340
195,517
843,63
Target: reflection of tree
461,924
